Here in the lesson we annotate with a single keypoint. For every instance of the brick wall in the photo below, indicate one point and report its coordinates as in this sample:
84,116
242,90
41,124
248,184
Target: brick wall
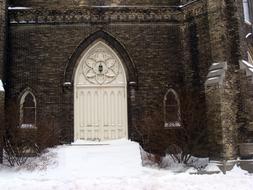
168,47
2,61
40,53
2,99
2,35
224,41
213,94
246,91
244,29
40,60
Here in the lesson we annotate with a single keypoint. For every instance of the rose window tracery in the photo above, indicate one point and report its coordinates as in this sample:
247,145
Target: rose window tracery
101,67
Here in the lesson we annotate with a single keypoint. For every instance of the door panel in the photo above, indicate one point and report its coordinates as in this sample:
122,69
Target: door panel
102,113
88,119
114,121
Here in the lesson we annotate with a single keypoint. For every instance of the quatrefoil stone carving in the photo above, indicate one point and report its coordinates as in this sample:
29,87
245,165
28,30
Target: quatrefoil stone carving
101,67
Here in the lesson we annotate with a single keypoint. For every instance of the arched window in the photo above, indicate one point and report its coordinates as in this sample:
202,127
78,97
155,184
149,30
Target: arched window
28,110
247,4
172,117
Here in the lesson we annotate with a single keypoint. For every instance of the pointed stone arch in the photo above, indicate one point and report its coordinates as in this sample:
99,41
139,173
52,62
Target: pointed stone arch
27,109
172,111
130,68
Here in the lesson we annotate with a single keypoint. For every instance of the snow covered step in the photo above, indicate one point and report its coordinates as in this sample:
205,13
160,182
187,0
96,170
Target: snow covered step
97,143
105,159
89,144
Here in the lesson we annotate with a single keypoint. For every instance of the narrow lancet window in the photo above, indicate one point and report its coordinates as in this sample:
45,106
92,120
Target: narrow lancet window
172,116
28,110
246,11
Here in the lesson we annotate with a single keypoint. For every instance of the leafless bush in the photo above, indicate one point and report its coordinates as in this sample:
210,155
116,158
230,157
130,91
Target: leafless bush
19,147
180,143
48,134
191,137
149,159
153,137
21,143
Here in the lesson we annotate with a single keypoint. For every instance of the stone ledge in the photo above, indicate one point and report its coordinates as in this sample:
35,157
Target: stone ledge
216,74
104,3
1,86
247,67
93,14
104,14
246,165
246,150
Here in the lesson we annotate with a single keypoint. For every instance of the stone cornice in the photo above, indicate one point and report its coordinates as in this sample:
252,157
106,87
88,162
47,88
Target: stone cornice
94,15
104,14
194,9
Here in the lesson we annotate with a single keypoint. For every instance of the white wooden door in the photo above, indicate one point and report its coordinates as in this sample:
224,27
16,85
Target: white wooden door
113,112
100,96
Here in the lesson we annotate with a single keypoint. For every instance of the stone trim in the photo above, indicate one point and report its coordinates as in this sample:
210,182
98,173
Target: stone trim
216,74
129,65
76,3
105,14
91,14
248,68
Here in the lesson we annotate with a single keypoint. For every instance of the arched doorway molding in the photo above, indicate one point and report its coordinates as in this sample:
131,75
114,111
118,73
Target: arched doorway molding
100,95
130,68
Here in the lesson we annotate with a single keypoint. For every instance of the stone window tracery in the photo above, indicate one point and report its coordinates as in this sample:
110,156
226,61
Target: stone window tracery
100,66
172,116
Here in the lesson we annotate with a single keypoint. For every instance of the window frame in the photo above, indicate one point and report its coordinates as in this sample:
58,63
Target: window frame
250,5
247,13
177,124
21,110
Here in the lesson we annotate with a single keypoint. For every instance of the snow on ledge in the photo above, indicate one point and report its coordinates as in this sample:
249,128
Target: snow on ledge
28,126
216,74
248,67
1,86
96,142
215,71
19,8
246,63
119,6
67,84
213,78
248,35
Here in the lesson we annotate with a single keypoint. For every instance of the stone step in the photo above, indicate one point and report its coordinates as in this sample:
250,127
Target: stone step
246,150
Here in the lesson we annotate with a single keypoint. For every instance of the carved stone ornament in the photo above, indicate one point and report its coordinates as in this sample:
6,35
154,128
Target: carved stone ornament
100,66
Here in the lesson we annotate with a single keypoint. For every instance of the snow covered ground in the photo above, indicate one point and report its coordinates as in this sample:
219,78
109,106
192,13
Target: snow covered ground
110,167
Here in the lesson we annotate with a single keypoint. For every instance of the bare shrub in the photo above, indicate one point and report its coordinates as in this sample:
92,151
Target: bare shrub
149,159
191,139
153,137
181,143
21,143
19,147
48,133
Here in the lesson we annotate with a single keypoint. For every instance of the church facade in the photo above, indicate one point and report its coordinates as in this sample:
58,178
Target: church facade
99,70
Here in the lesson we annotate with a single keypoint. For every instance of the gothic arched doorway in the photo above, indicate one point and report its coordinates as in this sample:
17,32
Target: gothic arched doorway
100,101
